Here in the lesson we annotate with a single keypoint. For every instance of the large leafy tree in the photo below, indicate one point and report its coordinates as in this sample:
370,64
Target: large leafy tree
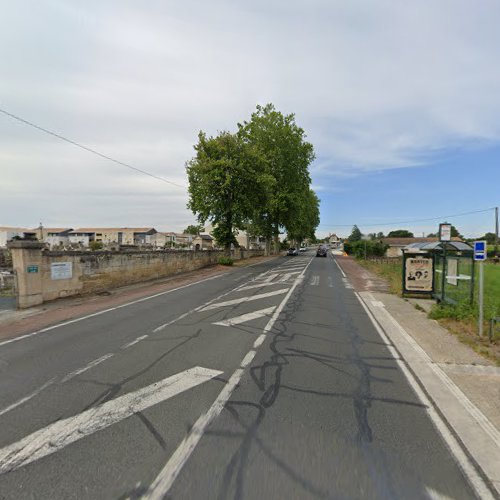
223,185
284,178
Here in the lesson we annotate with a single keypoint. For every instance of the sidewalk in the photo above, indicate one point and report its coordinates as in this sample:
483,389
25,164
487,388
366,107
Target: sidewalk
464,386
18,322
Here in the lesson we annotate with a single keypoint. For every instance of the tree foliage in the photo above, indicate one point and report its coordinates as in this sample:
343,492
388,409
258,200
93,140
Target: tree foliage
194,229
256,179
285,176
222,185
355,235
400,233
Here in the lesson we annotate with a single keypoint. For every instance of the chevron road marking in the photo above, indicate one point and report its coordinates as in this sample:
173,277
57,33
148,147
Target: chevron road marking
246,317
64,432
244,299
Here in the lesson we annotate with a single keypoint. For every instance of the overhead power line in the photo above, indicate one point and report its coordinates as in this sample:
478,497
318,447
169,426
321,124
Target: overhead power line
90,150
401,222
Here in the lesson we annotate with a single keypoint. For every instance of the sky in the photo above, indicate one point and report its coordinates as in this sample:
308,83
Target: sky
401,101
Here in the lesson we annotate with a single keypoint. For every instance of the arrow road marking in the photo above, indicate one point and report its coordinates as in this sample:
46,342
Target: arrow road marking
246,317
244,299
64,432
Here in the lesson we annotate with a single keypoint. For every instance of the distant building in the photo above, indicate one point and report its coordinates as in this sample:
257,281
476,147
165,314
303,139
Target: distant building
244,239
109,235
54,236
203,242
334,241
9,233
396,245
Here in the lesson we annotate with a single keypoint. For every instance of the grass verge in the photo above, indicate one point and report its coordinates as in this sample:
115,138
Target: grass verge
460,319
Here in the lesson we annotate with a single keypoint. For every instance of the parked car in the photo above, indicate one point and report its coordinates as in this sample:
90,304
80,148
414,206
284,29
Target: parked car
303,249
321,251
292,251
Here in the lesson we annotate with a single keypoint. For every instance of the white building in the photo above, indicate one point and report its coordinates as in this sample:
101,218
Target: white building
9,233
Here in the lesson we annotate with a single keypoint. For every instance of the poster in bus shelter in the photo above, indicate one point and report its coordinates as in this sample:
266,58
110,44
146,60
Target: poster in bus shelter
418,274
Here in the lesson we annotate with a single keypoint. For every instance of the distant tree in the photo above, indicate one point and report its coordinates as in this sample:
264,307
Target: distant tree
194,229
355,235
400,233
455,233
380,235
432,235
489,237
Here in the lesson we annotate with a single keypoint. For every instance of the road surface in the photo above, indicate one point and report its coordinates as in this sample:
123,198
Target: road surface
267,382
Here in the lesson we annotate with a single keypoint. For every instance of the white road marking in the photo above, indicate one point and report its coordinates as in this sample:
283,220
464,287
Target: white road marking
259,285
163,482
314,280
136,341
270,277
289,268
246,317
27,398
341,270
330,282
64,432
346,283
377,303
462,459
287,276
82,318
87,367
244,299
435,495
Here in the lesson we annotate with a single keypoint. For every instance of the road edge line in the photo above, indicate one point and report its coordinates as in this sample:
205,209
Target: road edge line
483,487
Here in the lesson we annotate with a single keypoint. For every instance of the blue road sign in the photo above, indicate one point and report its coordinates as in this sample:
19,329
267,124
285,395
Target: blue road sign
480,250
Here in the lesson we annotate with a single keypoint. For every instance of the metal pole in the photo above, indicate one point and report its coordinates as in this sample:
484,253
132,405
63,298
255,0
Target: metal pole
496,231
481,283
443,278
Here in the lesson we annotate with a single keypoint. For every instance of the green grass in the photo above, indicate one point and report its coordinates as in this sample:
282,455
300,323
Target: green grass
460,319
491,289
392,272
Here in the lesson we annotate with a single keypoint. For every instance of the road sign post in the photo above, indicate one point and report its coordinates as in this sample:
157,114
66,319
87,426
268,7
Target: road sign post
480,254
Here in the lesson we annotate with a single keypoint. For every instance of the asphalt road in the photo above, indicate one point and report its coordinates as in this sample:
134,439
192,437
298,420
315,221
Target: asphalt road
266,382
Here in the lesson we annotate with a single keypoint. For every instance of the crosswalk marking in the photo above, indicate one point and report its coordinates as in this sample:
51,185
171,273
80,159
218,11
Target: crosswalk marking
64,432
246,317
244,299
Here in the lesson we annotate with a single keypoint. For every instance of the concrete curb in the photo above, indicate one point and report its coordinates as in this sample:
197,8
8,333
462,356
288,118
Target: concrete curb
474,431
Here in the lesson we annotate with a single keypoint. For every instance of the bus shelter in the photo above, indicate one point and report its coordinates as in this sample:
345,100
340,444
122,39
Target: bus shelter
451,265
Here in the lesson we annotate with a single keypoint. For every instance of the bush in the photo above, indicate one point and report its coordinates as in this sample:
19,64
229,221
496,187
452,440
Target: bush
226,261
95,245
358,249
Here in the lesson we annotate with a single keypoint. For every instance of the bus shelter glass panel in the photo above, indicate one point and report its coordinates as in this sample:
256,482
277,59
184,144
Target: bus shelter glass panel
457,284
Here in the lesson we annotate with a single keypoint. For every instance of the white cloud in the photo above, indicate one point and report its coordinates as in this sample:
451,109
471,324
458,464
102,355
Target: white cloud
376,86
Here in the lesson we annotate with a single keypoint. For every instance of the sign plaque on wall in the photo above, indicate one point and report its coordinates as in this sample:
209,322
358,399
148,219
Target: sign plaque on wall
61,270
